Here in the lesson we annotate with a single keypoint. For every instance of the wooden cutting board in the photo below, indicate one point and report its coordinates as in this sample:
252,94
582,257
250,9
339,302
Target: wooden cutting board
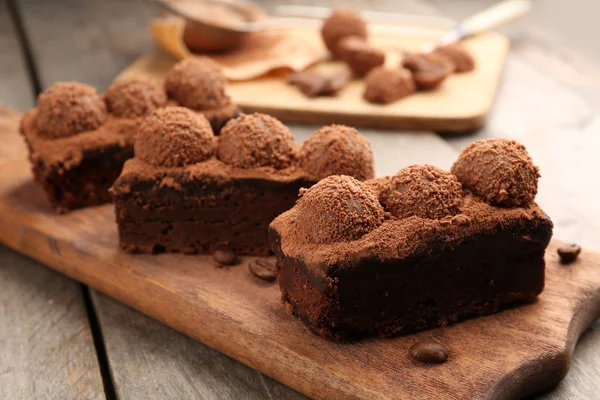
460,104
507,355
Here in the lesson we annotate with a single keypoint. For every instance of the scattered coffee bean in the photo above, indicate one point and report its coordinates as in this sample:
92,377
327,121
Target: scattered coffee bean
263,269
224,257
429,352
568,253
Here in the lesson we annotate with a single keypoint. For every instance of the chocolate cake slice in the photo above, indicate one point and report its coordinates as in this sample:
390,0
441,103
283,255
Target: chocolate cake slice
78,141
191,192
421,249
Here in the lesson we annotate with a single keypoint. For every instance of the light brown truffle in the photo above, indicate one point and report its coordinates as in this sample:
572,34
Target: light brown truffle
68,108
174,137
360,56
386,85
256,140
428,70
500,171
341,23
134,97
197,83
424,191
337,150
463,60
338,208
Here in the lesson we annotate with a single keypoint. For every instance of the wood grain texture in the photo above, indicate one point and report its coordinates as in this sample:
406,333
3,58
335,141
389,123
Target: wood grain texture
506,355
460,104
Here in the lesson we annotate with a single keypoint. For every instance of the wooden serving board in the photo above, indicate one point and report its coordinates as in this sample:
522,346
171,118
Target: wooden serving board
507,355
460,104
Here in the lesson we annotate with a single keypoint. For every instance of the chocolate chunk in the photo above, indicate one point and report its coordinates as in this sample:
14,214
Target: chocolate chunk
428,70
360,56
224,257
429,352
263,269
313,83
568,253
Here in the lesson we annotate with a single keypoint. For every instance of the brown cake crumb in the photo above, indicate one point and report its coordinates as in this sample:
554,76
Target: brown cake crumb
339,208
263,269
463,60
386,85
337,150
134,97
422,190
224,257
197,83
341,23
256,140
428,352
68,108
360,56
429,70
568,253
314,83
174,137
498,170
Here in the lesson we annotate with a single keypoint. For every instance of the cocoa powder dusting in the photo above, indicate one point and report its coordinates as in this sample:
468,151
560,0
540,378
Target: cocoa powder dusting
424,191
337,209
256,140
341,23
174,137
500,171
386,85
68,108
197,83
134,97
337,150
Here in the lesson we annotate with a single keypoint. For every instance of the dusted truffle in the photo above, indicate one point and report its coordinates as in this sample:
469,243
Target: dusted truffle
174,137
386,85
463,60
197,83
498,170
338,208
337,150
256,140
424,191
134,97
341,23
359,55
429,70
67,108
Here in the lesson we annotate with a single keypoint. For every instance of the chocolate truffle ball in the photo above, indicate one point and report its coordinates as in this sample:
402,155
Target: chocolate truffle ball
424,191
500,171
341,23
337,150
197,83
67,108
463,60
386,85
360,56
134,97
339,208
428,70
174,137
256,140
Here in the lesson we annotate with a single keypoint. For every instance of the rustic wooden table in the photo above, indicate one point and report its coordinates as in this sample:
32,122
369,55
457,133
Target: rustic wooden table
61,339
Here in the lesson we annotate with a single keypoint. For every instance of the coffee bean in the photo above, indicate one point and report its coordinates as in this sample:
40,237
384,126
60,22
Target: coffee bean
429,352
568,253
224,257
263,269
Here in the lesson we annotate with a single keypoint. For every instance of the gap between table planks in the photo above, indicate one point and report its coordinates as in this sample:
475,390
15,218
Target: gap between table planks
505,355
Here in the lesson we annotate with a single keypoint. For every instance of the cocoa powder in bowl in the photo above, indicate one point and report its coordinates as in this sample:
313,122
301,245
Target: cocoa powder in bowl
68,108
